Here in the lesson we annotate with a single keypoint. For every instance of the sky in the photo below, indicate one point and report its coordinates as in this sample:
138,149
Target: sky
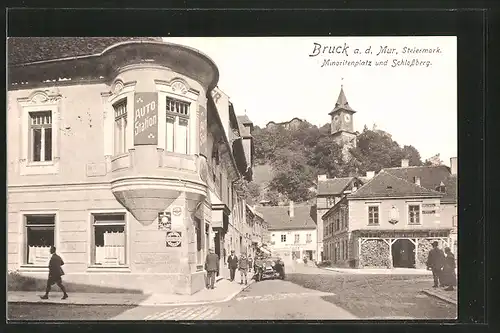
279,78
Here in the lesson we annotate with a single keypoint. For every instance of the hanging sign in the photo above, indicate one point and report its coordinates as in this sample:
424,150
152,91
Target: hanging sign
174,238
145,118
164,221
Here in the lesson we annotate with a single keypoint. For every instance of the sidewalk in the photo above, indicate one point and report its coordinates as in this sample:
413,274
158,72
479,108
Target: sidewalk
224,291
447,296
380,271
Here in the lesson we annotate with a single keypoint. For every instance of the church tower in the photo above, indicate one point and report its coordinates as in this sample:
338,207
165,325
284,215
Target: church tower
342,126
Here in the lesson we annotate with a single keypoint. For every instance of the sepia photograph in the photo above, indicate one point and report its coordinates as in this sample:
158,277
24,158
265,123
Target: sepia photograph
232,178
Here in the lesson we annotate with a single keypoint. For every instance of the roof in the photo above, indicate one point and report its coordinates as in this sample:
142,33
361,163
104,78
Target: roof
333,185
244,120
278,218
386,185
342,103
430,178
23,50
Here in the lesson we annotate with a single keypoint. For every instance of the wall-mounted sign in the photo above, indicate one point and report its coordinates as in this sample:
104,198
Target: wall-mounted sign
177,211
428,205
164,221
146,118
174,238
428,212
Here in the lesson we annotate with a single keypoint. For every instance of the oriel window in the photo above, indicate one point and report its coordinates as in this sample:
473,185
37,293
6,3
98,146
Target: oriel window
120,127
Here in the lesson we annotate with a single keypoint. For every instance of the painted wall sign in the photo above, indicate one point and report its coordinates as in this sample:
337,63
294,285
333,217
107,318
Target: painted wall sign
428,212
174,238
164,221
177,211
146,118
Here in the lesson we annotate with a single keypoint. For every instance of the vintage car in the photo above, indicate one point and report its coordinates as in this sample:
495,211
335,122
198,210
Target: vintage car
269,268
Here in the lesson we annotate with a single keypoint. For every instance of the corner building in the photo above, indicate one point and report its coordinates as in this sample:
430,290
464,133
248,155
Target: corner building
110,158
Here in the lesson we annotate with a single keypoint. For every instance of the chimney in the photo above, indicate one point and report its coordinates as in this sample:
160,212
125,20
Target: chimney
405,163
370,174
454,166
291,211
321,177
416,180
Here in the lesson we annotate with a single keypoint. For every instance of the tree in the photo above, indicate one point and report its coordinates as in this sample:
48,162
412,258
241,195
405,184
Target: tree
411,153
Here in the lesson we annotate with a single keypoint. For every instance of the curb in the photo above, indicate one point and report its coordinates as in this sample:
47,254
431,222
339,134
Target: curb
440,297
144,303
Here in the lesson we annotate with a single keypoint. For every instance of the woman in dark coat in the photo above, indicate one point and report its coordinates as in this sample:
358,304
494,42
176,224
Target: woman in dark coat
449,276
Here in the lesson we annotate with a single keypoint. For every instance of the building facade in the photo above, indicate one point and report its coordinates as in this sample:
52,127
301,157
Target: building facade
388,222
118,155
292,230
330,192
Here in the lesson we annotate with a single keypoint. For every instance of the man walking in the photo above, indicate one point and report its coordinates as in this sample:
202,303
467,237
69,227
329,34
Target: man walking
232,262
243,266
435,262
55,274
212,267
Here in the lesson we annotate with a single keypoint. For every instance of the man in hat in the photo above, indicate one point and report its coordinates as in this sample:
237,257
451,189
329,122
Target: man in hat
55,274
435,262
243,266
212,267
232,262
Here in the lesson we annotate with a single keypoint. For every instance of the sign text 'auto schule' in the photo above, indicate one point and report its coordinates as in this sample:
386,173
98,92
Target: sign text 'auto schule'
146,118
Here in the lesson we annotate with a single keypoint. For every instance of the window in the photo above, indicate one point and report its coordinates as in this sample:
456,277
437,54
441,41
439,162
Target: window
308,238
330,201
40,236
109,240
120,127
40,136
373,215
413,214
454,221
346,250
283,238
177,127
297,239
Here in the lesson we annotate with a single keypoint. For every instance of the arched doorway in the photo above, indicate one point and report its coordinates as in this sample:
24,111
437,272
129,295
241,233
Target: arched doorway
403,253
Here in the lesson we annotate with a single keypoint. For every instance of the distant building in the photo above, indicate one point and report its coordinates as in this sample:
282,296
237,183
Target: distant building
292,229
292,124
342,122
392,219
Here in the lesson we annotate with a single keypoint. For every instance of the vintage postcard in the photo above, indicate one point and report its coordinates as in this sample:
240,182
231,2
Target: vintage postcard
259,178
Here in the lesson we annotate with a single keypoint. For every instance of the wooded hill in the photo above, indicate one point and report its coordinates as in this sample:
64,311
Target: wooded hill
295,157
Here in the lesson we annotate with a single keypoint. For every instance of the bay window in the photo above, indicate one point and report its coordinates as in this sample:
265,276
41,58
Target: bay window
177,126
120,129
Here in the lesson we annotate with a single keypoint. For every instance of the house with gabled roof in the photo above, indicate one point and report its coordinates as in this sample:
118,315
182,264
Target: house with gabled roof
388,222
292,229
329,192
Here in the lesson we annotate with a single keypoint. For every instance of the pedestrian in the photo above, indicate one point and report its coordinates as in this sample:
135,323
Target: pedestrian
212,267
55,274
250,263
435,262
232,262
449,277
243,267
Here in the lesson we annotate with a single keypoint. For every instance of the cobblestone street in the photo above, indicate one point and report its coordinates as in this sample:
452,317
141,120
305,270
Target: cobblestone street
308,293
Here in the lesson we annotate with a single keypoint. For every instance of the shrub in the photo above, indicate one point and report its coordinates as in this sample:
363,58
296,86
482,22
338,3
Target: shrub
374,253
18,282
424,246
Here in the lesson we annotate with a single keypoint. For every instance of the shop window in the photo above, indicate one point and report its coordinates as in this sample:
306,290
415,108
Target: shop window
283,238
39,236
413,214
297,239
373,217
120,127
177,127
108,239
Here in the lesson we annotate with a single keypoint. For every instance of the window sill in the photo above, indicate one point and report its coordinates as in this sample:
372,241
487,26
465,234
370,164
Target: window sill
39,168
105,269
33,269
40,164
